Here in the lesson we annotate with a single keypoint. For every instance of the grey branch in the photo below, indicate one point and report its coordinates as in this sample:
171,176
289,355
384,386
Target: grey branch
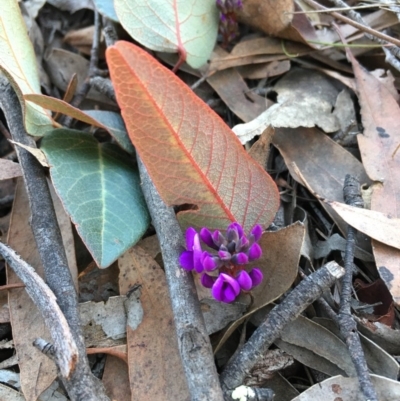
81,384
67,352
193,340
310,289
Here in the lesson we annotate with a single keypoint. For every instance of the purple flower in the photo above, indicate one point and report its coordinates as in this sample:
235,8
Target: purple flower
225,288
192,258
228,27
256,276
244,280
228,259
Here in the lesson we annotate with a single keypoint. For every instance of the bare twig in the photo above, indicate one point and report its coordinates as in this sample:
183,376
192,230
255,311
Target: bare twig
372,34
104,86
362,26
348,326
67,351
193,340
81,385
302,296
94,59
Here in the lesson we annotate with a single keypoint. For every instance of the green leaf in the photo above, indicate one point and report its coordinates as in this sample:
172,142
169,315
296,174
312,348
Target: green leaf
115,125
189,27
100,190
18,62
106,8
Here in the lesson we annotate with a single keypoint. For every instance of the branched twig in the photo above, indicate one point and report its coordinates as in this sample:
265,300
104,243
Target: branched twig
82,385
348,326
67,351
372,34
302,296
193,340
104,86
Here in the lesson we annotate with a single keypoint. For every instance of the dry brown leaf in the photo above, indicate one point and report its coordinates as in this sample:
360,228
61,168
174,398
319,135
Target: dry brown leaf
269,16
98,284
279,264
322,162
264,70
82,39
9,169
61,65
116,377
155,367
379,226
300,29
233,90
37,370
260,150
379,151
255,51
4,311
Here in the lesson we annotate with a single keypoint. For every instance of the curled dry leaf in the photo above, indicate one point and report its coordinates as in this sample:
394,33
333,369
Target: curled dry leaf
380,226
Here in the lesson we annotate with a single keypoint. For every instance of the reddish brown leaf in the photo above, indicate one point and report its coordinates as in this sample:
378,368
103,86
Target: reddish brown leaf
191,155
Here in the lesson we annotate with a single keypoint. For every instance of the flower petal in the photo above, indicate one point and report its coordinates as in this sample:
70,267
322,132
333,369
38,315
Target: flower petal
224,255
206,237
190,234
256,276
218,238
225,288
207,281
186,260
244,280
257,232
255,252
237,227
240,259
209,262
232,235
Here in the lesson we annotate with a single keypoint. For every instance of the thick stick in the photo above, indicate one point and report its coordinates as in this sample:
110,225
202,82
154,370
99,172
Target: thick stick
193,340
310,289
81,385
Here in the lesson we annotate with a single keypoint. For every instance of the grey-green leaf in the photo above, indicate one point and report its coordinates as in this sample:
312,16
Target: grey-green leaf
114,122
100,190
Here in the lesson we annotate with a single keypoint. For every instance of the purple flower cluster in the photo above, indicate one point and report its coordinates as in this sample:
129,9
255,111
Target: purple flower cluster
228,26
224,270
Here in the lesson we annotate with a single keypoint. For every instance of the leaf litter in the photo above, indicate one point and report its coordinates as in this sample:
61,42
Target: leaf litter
304,109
